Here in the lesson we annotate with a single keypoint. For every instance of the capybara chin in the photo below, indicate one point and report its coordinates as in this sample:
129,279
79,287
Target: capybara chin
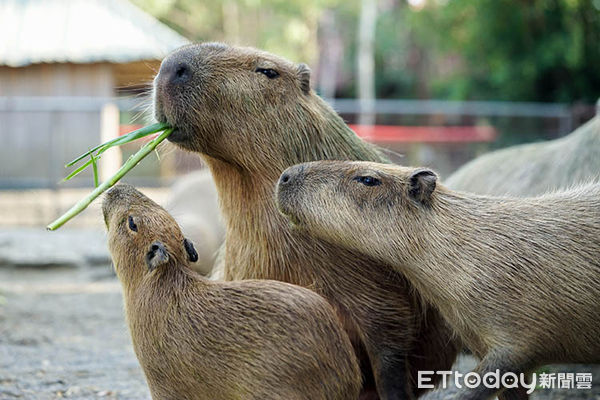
251,114
199,339
518,279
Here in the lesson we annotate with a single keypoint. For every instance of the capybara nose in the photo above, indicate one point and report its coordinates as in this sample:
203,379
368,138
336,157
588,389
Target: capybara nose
174,71
181,74
291,176
285,178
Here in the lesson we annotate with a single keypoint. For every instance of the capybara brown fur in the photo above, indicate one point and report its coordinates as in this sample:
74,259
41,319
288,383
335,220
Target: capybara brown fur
193,202
536,168
250,115
517,278
200,339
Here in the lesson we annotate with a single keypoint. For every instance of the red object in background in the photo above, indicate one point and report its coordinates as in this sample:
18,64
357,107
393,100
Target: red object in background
426,134
401,134
126,128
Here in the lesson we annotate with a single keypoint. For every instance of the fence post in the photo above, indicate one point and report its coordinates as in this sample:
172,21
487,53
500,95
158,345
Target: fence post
109,129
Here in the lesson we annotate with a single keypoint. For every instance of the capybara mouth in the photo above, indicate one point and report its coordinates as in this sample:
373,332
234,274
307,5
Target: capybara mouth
177,136
285,209
294,220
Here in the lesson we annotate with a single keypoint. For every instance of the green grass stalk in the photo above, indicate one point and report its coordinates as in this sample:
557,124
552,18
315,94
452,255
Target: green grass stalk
129,164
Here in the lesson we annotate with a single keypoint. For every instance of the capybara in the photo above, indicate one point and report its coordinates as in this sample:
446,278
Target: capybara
250,115
517,278
193,202
200,339
535,168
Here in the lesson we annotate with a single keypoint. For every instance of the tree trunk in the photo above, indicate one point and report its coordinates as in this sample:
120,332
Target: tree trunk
331,54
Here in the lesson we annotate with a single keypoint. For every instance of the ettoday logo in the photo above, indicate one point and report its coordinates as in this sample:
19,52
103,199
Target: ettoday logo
508,380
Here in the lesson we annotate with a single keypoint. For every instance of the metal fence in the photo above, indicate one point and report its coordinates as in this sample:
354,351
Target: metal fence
40,133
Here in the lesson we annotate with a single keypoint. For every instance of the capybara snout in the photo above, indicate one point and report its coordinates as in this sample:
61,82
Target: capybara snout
152,237
204,90
174,71
118,200
355,186
289,182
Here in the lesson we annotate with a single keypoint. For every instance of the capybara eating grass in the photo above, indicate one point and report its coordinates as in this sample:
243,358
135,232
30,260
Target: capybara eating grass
200,339
250,115
517,278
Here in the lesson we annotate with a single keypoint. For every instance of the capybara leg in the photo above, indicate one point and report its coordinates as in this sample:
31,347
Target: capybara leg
492,362
369,394
435,350
519,393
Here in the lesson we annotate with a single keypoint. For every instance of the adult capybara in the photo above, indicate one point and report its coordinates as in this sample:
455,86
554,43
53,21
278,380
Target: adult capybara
199,339
193,202
517,278
251,114
536,168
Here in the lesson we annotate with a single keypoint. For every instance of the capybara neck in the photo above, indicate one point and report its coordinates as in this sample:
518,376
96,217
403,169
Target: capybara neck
473,247
246,192
171,278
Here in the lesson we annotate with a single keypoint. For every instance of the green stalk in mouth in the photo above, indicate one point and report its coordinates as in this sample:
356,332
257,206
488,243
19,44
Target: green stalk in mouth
125,168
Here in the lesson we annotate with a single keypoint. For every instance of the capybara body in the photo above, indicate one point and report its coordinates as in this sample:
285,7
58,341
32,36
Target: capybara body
536,168
200,339
193,202
517,278
250,115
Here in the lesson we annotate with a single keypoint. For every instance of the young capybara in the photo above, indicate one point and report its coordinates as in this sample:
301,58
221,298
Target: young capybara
250,115
200,339
517,278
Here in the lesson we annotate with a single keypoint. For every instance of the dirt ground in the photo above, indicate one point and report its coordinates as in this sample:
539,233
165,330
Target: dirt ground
62,334
62,331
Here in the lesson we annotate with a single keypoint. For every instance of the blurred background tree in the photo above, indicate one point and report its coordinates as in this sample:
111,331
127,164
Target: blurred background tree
542,50
517,50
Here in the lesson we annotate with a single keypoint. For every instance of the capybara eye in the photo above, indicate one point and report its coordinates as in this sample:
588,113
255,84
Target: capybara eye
132,224
368,180
269,73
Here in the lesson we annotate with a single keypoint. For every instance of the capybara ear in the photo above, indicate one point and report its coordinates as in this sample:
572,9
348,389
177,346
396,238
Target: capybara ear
191,251
156,256
422,184
304,76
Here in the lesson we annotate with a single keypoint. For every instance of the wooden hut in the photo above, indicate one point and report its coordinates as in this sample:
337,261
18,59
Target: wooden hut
61,63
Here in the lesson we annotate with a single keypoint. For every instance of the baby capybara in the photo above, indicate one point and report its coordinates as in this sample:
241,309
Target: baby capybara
517,279
199,339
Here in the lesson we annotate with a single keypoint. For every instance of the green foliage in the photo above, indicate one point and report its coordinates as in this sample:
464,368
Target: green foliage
518,50
538,50
285,27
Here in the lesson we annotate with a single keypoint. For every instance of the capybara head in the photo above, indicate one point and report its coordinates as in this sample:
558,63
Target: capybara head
221,99
357,204
142,236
